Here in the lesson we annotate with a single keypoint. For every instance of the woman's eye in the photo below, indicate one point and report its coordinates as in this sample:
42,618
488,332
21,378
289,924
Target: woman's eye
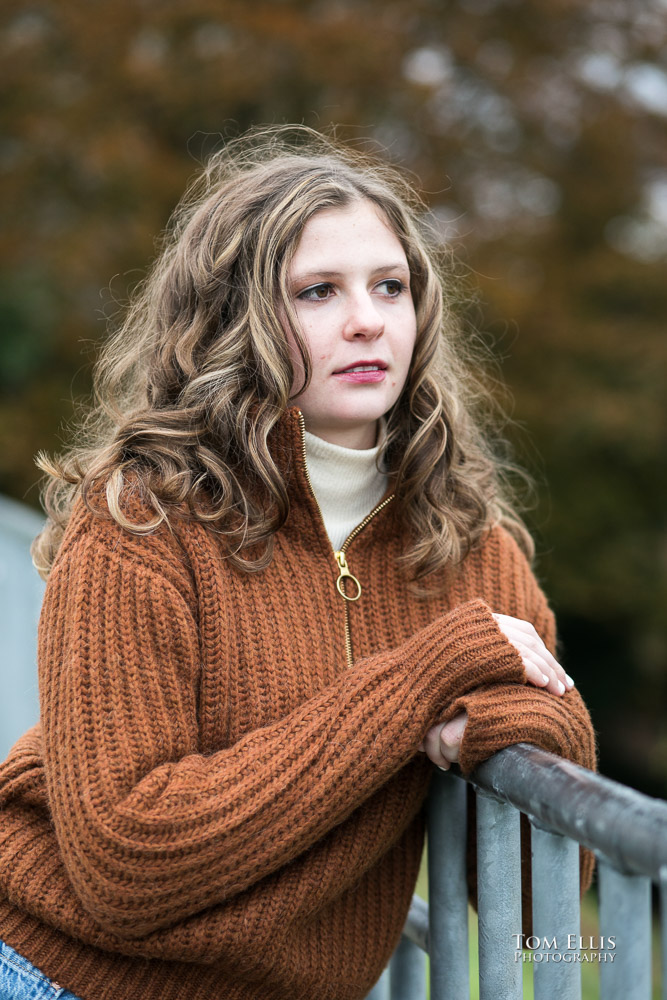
393,286
317,293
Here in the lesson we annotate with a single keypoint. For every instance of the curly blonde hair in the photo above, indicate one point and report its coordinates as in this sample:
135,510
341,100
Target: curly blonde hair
191,384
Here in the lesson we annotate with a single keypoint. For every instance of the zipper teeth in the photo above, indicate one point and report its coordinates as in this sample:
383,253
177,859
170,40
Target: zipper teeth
369,517
305,467
353,534
348,635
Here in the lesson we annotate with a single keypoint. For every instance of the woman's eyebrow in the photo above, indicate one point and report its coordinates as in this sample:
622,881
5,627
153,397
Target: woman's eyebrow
328,275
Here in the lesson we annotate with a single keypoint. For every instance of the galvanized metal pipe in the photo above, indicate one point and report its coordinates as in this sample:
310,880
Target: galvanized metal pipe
498,898
625,934
407,972
663,928
448,888
416,926
626,826
381,989
556,916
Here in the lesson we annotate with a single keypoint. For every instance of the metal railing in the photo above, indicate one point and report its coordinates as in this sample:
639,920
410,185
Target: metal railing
566,806
21,593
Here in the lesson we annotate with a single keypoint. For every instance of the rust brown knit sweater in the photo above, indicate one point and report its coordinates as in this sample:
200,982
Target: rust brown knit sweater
214,804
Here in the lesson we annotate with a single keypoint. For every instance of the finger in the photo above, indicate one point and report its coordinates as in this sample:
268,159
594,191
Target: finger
451,735
536,667
542,652
452,731
538,671
519,631
534,674
509,621
433,747
531,640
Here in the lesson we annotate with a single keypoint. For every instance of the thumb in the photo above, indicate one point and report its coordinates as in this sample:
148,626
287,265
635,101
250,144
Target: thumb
452,733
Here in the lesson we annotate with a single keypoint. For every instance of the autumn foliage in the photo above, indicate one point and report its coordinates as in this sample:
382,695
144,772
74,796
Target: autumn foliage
537,133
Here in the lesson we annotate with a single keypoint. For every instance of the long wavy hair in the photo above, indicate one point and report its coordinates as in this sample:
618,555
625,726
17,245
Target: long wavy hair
189,387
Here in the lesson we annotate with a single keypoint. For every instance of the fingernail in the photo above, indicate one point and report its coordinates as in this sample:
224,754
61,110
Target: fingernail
570,682
442,768
561,687
545,678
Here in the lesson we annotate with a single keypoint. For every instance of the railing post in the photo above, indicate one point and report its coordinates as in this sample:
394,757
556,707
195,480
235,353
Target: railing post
381,989
407,972
567,806
555,888
663,928
625,916
448,888
498,899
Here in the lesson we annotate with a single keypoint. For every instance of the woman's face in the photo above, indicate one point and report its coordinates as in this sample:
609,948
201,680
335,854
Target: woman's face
349,282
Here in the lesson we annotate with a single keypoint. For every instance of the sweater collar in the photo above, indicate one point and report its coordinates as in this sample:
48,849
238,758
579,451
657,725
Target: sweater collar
347,484
288,448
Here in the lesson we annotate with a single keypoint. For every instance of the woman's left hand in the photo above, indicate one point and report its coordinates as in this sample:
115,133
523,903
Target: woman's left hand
442,741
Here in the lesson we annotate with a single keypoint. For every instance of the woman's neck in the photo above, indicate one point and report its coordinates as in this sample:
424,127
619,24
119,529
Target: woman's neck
347,483
357,437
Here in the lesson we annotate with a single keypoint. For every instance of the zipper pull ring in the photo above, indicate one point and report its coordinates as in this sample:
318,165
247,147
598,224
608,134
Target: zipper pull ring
344,574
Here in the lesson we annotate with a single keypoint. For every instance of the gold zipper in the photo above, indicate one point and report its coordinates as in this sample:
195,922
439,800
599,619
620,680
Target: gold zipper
344,572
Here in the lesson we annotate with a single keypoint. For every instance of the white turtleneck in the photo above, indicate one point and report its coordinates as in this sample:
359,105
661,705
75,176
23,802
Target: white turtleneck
346,482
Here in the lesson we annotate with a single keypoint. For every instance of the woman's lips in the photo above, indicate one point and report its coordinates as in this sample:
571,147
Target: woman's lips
362,373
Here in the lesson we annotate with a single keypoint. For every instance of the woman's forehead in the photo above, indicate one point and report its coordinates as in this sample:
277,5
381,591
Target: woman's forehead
334,239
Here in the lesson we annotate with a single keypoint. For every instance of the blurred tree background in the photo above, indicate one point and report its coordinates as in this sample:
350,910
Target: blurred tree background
537,132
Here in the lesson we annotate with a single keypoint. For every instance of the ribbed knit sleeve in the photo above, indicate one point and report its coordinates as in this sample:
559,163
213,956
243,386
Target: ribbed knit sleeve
500,715
151,831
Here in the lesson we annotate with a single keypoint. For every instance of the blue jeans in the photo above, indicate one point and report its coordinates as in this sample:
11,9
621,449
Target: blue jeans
19,980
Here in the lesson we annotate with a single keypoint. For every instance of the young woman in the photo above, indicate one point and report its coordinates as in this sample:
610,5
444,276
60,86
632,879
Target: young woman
281,566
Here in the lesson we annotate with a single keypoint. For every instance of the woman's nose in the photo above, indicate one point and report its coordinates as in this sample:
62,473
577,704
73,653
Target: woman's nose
363,320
